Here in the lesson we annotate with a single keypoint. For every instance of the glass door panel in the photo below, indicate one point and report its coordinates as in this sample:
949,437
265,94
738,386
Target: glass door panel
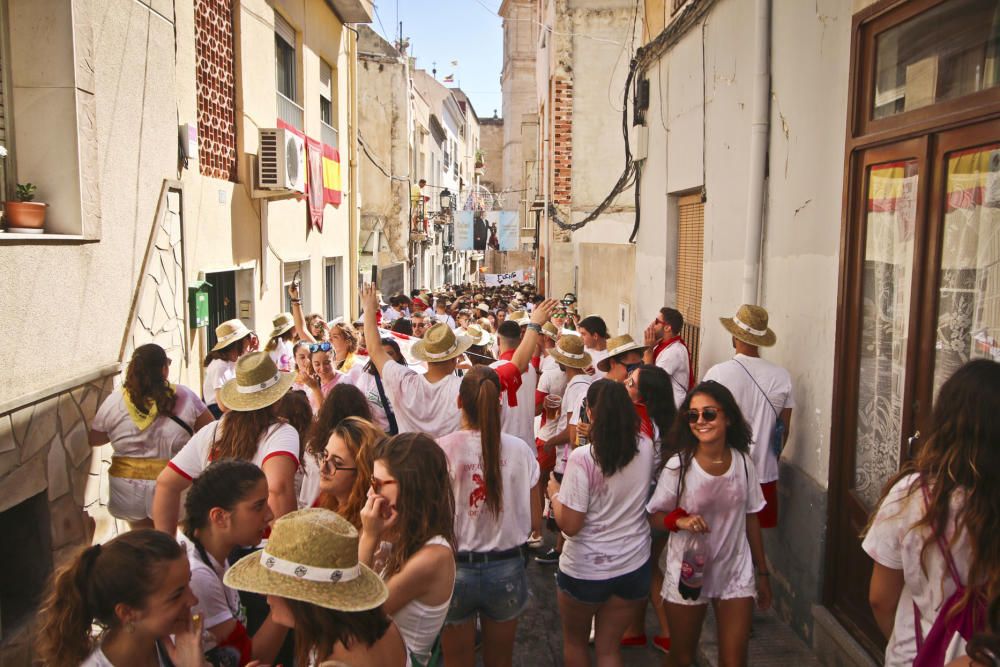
968,318
887,278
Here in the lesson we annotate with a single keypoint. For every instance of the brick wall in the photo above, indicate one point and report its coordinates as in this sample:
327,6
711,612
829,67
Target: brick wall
562,140
216,88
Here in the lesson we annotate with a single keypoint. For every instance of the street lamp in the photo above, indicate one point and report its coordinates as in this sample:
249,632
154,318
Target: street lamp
446,200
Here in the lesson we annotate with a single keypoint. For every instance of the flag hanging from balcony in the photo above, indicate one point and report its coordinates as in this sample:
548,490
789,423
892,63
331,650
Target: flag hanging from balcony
314,186
331,175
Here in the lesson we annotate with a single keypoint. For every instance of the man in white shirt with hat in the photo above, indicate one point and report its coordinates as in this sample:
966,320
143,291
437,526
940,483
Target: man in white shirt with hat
763,391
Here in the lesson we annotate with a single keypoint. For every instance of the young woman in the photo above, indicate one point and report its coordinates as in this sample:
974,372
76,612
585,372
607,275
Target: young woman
414,509
250,431
321,356
147,421
604,570
234,341
344,339
493,477
346,468
135,587
227,508
313,581
937,525
708,492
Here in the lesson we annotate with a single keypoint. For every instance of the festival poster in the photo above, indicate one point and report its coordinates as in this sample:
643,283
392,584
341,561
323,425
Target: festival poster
504,224
463,230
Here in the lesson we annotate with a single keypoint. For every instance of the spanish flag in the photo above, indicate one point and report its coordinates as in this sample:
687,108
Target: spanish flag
331,175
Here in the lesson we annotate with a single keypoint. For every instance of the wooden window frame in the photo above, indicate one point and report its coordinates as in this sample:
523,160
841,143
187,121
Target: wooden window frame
7,99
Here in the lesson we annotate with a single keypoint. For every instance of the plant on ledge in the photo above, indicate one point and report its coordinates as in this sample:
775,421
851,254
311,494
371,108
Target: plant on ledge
480,159
25,215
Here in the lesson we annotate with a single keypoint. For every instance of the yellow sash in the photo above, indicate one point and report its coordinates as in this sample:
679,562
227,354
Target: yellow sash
141,416
130,467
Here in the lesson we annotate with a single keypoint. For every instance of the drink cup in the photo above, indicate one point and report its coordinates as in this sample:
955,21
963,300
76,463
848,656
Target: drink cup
552,405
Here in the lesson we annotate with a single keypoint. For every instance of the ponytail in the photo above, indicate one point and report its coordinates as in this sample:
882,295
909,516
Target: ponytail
480,394
91,585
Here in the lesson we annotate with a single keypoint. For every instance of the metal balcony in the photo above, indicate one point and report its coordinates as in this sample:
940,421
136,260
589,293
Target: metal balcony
291,113
329,135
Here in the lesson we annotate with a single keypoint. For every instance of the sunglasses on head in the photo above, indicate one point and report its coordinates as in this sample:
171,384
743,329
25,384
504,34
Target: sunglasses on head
320,347
708,414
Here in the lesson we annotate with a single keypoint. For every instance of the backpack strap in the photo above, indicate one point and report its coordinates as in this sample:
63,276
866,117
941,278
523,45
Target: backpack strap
389,414
777,414
180,422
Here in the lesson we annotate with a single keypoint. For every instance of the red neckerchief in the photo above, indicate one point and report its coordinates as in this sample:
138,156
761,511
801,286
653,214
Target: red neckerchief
511,395
645,425
664,344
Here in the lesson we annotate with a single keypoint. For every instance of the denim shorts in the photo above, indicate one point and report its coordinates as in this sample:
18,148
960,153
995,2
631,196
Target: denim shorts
631,586
498,591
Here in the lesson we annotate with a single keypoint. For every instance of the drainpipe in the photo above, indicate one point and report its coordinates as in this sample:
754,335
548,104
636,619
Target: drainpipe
354,209
759,135
542,270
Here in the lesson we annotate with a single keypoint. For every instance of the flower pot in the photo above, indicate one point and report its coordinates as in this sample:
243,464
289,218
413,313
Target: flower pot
25,216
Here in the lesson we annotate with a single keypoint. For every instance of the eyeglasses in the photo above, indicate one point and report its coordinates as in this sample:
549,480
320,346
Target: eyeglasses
320,347
660,322
377,484
329,463
708,414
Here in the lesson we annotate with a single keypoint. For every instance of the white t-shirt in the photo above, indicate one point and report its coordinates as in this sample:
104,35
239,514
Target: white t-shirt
614,539
161,439
366,384
519,420
98,659
674,360
278,440
476,529
757,410
553,380
419,405
217,603
894,543
283,355
576,391
596,357
724,502
390,314
218,373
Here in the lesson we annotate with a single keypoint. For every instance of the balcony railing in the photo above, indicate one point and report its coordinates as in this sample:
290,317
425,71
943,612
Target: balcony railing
329,135
290,112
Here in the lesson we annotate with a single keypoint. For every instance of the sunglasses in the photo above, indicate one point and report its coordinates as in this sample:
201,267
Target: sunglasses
320,347
708,414
330,464
377,484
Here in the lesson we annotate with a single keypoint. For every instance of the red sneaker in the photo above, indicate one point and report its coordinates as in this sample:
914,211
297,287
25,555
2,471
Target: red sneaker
631,642
661,643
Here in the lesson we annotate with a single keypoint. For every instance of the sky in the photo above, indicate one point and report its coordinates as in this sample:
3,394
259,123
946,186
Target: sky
442,31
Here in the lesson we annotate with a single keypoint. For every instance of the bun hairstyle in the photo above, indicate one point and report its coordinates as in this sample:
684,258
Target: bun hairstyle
480,396
125,570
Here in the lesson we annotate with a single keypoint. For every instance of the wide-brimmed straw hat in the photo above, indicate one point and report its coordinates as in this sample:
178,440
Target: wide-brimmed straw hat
258,384
550,330
230,331
750,326
311,556
520,317
478,336
483,307
440,344
617,346
283,322
569,352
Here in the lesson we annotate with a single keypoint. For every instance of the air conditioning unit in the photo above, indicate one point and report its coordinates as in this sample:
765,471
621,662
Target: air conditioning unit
281,163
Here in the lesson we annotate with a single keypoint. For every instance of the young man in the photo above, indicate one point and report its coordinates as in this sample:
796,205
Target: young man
394,311
624,356
420,323
429,402
668,350
764,393
594,332
441,312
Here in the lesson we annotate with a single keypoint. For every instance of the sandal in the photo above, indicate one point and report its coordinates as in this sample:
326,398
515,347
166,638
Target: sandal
661,643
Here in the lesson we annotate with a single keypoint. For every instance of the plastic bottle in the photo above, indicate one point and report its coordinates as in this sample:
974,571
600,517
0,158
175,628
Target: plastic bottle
693,567
582,440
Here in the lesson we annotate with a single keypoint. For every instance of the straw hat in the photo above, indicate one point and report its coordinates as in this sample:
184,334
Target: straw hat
520,317
750,326
257,384
311,556
569,352
550,330
483,307
230,331
617,346
283,323
478,336
440,344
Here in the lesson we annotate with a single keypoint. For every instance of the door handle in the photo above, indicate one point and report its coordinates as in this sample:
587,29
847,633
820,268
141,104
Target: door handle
911,444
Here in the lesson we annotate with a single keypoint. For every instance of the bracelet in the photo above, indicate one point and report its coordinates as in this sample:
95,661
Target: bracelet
537,328
296,302
670,520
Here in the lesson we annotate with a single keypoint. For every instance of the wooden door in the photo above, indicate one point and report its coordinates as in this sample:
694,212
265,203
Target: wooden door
221,301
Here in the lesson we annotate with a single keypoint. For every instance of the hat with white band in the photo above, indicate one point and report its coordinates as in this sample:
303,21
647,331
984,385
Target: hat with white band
440,344
311,556
569,352
258,384
750,326
478,336
617,346
229,332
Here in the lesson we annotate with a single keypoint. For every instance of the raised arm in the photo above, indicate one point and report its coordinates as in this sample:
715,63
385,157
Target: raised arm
524,351
373,340
300,323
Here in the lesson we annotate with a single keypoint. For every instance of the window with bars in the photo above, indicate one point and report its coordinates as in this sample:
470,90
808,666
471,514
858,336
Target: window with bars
216,80
690,262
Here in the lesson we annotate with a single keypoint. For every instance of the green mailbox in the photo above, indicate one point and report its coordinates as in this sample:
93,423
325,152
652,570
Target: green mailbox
198,303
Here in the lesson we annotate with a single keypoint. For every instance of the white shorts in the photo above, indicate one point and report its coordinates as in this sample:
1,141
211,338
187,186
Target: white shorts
131,499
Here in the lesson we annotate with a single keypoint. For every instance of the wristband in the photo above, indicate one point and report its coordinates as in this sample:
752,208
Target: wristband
537,328
296,302
670,521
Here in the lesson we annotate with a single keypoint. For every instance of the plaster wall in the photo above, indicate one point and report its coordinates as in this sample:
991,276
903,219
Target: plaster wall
518,85
491,143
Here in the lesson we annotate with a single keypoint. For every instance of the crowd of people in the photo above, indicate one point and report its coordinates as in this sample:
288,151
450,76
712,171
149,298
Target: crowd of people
371,493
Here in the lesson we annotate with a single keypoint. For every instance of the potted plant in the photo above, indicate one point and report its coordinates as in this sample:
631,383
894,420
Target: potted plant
25,214
480,160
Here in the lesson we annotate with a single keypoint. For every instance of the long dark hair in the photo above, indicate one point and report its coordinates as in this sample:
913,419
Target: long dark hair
657,395
343,401
426,502
682,440
321,629
614,427
370,367
962,454
226,353
294,408
480,396
144,380
125,570
223,484
240,433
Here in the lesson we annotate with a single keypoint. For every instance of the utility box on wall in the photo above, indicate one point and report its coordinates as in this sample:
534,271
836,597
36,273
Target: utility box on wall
198,303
